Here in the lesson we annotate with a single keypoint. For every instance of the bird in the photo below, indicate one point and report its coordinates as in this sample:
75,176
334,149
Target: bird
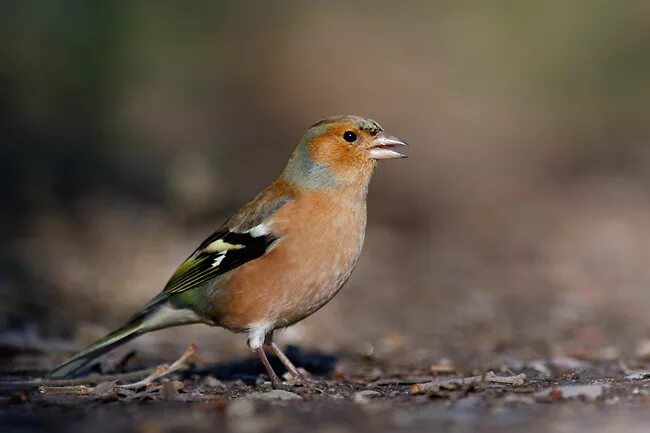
281,256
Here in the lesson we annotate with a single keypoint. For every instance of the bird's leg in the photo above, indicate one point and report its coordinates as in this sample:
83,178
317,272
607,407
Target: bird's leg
284,359
275,380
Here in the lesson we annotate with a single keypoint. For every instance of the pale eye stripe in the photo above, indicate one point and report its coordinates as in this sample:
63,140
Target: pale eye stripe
220,246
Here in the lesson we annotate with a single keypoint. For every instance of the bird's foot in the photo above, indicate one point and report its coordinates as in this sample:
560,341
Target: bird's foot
305,381
303,384
299,376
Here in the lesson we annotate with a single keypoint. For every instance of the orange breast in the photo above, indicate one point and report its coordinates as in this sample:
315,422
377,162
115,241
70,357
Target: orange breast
320,240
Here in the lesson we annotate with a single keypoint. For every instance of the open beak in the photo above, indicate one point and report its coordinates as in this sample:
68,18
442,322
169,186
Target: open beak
383,145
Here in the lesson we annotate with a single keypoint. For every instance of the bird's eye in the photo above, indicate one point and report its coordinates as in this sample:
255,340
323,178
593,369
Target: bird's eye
349,136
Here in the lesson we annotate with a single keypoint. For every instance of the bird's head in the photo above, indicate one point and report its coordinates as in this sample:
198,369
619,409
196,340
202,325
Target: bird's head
340,150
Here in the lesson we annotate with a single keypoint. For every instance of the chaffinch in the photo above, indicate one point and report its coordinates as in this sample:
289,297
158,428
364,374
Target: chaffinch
282,256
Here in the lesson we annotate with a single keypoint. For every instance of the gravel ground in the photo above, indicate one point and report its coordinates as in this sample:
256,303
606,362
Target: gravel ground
349,393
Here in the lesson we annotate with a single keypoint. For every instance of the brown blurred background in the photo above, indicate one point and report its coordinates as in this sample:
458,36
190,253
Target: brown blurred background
130,131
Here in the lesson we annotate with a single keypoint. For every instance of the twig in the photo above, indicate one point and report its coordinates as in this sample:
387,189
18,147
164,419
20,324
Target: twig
489,377
76,386
93,379
164,370
79,389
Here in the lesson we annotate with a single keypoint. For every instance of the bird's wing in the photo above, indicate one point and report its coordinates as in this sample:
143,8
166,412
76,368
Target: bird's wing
241,239
220,253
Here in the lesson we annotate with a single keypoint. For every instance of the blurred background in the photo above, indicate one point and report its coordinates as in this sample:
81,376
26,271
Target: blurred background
519,223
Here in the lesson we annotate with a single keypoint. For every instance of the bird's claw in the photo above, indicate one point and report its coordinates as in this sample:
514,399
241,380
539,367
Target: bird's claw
299,377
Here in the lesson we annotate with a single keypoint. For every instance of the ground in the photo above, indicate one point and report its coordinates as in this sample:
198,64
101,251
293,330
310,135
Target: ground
349,393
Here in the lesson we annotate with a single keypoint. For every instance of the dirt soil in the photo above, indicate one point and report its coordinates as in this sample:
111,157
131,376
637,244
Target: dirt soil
348,393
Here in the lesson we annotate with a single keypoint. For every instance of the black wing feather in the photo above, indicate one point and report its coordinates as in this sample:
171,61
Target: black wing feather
200,266
203,265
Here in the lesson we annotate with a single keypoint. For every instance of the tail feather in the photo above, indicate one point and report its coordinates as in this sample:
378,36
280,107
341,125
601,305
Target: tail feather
98,348
154,317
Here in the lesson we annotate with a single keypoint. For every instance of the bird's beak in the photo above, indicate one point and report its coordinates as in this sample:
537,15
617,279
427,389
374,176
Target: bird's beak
382,147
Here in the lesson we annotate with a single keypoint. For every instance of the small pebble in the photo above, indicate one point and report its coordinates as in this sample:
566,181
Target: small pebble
276,394
365,396
213,382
